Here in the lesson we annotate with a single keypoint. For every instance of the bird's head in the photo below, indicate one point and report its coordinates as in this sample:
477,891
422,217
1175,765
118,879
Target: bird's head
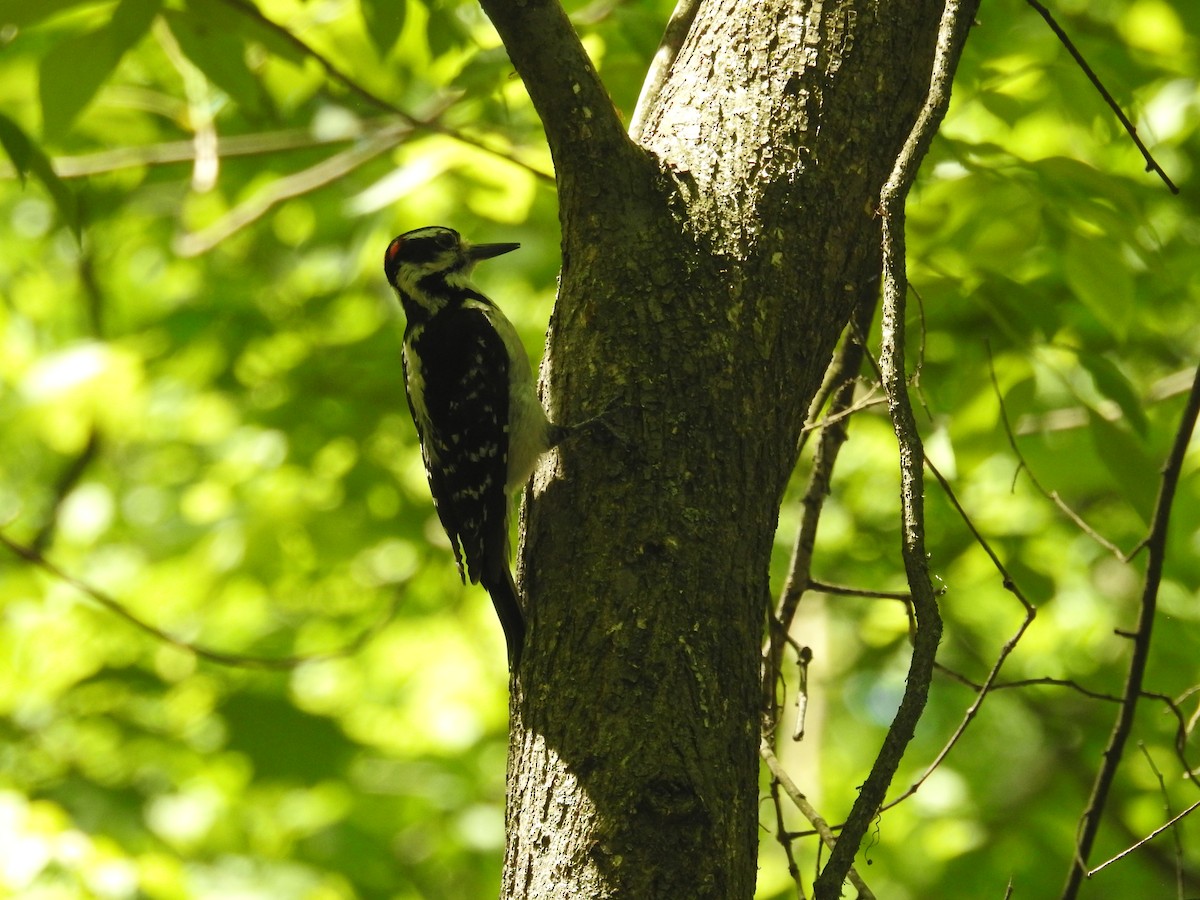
418,261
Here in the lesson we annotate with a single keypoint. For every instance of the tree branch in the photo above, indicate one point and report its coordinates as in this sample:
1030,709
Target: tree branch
1175,820
841,377
677,28
1151,164
780,776
582,126
174,152
1156,548
295,184
952,33
367,96
1052,496
1005,651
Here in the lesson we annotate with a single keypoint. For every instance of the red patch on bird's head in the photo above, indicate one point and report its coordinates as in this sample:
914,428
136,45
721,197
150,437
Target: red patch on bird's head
391,259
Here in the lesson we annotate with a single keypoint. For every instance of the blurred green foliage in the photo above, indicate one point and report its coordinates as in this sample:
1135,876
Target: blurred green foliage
203,417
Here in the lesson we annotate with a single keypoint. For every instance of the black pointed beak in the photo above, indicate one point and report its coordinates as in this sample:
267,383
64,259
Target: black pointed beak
476,252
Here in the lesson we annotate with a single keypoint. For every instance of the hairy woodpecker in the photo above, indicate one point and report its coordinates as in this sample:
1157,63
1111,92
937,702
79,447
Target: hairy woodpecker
471,394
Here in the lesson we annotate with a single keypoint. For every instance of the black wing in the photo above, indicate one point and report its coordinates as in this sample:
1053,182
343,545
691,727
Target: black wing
459,402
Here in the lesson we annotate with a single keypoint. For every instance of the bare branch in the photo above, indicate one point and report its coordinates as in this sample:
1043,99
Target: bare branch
201,115
367,96
841,590
1156,547
1178,842
289,186
1005,651
173,152
952,32
779,774
66,483
582,126
840,377
1151,164
785,840
865,403
1182,724
1151,836
1052,496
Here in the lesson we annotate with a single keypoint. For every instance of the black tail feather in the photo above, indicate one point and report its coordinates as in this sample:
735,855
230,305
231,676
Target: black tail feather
504,597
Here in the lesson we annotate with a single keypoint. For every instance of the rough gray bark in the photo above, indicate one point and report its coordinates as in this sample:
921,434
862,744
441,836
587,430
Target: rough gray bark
707,272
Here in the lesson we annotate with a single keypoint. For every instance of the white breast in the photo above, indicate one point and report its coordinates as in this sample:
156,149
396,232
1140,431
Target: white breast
529,429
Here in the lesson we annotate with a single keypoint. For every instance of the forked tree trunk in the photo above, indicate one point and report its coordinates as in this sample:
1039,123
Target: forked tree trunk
708,269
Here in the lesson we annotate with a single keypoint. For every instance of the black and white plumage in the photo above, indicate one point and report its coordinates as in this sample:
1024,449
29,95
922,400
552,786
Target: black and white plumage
472,396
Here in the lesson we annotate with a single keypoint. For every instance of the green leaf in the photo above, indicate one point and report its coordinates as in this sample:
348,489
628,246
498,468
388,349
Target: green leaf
72,71
1098,276
1018,399
446,33
24,13
259,721
1112,383
250,24
28,158
384,20
1084,186
1025,309
17,145
1136,473
220,54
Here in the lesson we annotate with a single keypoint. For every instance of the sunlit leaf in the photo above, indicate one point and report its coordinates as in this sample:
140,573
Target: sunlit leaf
1097,275
74,70
247,20
1133,470
220,54
23,13
384,20
1114,385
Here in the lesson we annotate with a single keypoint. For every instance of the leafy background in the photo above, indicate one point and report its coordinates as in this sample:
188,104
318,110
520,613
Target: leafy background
203,418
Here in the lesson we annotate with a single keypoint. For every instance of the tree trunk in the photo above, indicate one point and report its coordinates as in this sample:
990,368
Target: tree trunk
709,265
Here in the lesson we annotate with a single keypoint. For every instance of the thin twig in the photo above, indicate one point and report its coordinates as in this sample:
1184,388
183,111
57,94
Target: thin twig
200,108
820,826
785,840
842,371
1182,727
1151,164
66,483
1166,798
221,657
1156,548
1005,651
1048,681
252,12
296,184
839,383
1151,836
866,402
95,306
952,33
841,590
169,153
1052,496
